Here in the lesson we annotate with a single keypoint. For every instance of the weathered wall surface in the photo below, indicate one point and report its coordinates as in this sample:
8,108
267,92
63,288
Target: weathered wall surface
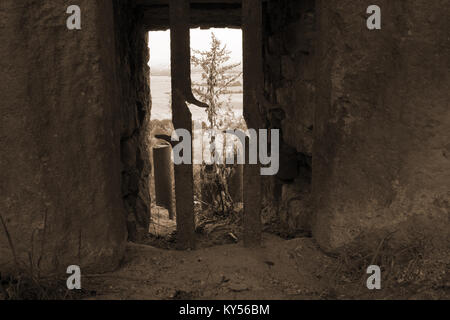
290,89
60,132
134,74
381,154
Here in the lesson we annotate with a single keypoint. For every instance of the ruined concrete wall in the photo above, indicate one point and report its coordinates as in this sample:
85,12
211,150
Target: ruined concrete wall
61,133
135,107
58,187
381,155
290,88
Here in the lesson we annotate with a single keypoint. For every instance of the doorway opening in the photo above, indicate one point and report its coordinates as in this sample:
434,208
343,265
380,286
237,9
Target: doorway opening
217,80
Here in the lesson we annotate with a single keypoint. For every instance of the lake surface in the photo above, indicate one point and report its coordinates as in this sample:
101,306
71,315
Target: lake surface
161,90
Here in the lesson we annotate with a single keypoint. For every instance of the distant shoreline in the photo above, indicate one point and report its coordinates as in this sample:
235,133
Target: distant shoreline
155,72
236,84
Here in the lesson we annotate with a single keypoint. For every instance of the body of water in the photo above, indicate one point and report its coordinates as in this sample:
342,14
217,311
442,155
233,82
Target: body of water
161,92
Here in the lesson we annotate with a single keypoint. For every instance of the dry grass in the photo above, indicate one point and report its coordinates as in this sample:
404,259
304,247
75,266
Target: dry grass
23,286
26,282
406,271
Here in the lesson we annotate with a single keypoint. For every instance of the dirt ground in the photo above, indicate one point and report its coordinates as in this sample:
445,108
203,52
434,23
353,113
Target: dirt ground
280,269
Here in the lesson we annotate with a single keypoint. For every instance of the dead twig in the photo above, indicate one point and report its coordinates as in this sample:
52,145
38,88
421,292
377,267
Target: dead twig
11,244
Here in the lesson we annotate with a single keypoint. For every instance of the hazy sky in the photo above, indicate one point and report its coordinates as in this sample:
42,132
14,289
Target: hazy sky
159,43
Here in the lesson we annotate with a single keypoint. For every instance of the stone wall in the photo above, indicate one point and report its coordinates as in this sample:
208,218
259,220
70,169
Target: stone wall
364,118
290,89
381,153
75,111
60,184
134,74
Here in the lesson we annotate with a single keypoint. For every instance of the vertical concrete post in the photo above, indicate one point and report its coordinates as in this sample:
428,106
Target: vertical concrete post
182,119
163,177
253,87
252,203
235,183
207,196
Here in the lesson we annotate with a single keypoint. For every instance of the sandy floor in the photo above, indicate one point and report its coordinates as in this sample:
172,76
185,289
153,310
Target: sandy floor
281,269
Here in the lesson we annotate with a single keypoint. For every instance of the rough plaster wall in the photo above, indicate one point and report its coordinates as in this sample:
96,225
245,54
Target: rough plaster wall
134,75
60,184
289,86
381,154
